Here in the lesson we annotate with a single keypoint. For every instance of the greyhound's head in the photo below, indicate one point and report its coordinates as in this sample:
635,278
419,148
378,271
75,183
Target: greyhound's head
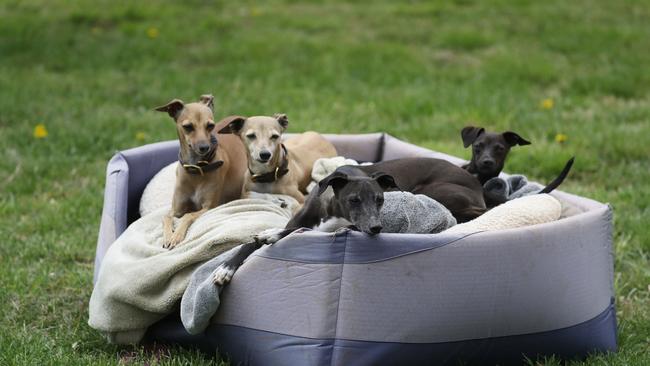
489,150
194,124
358,197
261,137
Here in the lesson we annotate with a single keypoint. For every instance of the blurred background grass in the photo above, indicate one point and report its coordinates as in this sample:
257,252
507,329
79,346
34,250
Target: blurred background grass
570,76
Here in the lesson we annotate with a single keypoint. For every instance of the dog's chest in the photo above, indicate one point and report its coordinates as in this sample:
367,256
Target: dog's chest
261,187
202,196
277,186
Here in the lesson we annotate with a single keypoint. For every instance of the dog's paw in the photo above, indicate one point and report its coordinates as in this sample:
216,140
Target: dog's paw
269,236
222,275
172,241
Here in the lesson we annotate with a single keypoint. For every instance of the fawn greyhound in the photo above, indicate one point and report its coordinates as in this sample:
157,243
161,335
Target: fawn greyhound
273,166
210,171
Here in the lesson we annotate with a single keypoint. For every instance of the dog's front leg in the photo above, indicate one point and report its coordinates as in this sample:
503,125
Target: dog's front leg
168,229
184,224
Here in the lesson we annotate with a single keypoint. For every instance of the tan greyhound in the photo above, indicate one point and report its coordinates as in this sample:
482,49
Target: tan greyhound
273,166
210,171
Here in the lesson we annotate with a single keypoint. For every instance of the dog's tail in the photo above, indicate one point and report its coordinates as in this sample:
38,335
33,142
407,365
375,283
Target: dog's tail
560,178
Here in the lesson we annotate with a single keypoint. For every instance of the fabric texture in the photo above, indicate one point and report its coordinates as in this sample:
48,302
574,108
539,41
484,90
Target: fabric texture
405,212
140,282
159,191
524,211
500,190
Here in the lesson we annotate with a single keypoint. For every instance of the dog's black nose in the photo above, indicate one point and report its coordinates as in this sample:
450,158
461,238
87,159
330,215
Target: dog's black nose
487,163
376,229
204,148
265,155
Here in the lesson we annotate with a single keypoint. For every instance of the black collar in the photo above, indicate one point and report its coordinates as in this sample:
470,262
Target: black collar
273,175
202,166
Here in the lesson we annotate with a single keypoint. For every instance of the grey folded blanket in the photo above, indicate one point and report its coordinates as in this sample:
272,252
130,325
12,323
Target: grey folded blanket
405,212
499,190
201,297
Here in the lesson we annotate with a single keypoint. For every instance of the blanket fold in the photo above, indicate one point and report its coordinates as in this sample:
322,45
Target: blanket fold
140,282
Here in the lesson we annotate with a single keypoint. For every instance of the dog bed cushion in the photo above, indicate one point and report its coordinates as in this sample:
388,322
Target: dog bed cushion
488,297
159,191
520,212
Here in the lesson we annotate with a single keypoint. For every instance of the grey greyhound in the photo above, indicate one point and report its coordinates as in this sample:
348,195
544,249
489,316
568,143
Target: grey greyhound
348,197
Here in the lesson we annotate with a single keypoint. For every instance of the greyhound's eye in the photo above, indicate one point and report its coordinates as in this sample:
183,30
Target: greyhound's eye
479,146
499,148
188,128
210,126
275,136
354,200
251,136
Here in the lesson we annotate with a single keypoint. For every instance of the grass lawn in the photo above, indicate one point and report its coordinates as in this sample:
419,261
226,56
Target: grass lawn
91,72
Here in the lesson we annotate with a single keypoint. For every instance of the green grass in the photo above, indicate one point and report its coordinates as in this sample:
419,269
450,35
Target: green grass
421,71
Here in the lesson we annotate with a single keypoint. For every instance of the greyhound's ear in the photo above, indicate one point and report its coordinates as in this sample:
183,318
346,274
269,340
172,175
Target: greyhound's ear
385,181
470,134
172,108
282,119
233,124
336,180
513,139
208,100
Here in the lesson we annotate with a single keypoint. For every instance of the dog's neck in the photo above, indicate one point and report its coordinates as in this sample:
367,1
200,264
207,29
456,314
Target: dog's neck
279,161
196,164
471,168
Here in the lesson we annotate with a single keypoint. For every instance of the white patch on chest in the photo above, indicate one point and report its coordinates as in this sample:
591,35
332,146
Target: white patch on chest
332,224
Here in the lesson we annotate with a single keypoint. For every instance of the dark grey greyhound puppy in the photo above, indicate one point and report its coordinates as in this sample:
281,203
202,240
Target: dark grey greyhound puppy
348,197
489,150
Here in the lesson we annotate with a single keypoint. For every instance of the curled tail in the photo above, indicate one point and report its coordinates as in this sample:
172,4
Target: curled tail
560,178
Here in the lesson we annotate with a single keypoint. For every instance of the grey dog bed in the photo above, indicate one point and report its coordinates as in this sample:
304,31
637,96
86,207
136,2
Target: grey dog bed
346,298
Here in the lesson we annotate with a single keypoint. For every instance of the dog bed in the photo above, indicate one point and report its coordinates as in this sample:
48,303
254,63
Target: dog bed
316,298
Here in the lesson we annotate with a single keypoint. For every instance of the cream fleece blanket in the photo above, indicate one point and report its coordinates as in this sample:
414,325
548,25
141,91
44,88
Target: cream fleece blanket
524,211
139,282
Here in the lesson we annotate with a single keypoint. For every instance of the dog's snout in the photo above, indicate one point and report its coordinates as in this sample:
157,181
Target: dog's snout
265,155
488,163
204,148
375,229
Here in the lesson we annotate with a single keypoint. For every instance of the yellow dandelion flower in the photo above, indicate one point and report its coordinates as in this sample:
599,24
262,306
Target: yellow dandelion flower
40,131
140,136
95,30
547,103
561,138
152,32
255,12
